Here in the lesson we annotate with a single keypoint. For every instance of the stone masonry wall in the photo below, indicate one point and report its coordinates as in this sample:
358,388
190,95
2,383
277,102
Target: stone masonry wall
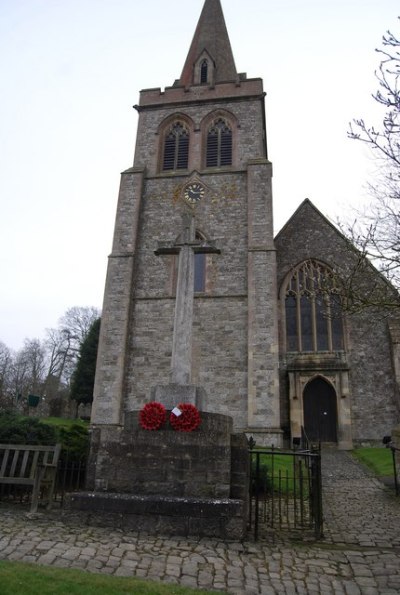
246,116
164,462
373,391
109,382
136,342
220,315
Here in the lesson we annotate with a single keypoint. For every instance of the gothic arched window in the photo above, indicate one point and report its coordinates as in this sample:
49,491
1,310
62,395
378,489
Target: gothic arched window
219,144
176,147
313,310
204,72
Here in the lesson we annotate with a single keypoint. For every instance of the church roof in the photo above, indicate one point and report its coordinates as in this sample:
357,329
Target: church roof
299,212
211,35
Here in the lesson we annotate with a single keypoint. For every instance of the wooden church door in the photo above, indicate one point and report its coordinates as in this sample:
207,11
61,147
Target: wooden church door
320,411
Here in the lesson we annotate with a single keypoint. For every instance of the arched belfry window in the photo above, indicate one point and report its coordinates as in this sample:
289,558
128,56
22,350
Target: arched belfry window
219,144
313,310
176,147
204,72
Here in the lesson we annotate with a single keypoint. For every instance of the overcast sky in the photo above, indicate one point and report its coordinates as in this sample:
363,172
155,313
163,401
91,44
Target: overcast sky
71,71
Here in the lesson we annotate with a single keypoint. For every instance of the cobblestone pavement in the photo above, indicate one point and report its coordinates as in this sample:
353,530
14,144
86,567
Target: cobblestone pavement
360,553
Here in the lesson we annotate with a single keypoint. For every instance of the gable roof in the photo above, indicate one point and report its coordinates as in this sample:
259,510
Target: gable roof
307,204
211,35
309,234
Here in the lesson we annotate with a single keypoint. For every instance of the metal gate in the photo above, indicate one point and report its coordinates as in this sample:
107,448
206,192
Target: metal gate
285,492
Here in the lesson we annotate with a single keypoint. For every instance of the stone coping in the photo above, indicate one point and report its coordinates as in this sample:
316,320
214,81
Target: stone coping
132,503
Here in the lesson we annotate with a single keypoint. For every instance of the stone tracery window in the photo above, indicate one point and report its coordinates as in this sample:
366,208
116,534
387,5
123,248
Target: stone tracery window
219,144
176,147
313,310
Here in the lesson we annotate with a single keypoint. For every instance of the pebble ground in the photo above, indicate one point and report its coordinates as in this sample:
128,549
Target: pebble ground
360,552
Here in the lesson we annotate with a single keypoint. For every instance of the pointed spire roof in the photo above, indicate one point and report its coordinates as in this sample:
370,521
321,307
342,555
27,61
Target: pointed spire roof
211,35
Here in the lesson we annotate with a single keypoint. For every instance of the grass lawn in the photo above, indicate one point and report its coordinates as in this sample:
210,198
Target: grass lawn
17,578
283,471
379,460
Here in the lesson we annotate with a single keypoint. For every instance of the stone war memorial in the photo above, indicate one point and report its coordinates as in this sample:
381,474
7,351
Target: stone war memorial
213,330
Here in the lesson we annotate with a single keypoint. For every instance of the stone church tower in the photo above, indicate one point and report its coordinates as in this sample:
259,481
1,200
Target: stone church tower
203,305
201,179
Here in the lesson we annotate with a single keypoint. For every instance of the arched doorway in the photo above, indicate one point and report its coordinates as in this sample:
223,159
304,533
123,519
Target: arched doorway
320,410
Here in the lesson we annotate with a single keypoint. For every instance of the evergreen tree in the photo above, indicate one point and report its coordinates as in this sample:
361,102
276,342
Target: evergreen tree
83,378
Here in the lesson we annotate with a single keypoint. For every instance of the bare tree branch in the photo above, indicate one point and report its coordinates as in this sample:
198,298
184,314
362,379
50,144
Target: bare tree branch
376,232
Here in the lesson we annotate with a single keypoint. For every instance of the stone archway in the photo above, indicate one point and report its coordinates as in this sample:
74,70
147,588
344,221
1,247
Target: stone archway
320,410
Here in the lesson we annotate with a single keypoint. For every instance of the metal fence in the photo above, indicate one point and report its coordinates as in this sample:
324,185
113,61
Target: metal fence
285,492
387,441
70,477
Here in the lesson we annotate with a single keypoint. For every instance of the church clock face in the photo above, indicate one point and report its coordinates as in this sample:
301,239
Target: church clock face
194,192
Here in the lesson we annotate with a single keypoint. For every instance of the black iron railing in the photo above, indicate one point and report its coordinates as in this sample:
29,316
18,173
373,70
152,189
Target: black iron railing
387,441
71,474
70,477
285,491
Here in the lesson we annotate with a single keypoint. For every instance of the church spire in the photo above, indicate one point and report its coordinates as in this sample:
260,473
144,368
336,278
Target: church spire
210,58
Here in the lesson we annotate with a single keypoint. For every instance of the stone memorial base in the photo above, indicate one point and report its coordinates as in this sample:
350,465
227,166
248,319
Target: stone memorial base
172,394
222,518
167,481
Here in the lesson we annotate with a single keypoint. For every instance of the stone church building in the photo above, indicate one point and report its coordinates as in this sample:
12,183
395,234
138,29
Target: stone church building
201,295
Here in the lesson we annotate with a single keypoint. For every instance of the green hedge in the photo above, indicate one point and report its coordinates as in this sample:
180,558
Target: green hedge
18,429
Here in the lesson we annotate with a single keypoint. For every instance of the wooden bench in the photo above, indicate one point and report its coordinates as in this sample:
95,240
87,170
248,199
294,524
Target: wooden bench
30,465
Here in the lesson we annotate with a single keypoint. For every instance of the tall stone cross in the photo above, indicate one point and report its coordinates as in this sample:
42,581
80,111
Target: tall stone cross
186,246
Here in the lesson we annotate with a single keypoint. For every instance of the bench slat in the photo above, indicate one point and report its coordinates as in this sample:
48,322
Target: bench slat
31,465
5,461
17,480
14,463
24,463
32,447
34,464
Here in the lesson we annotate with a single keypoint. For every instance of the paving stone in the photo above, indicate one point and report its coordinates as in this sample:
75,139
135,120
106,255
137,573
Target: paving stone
123,571
359,556
188,581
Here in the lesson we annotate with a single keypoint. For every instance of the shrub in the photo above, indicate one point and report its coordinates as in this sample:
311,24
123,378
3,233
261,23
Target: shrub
17,429
75,441
73,435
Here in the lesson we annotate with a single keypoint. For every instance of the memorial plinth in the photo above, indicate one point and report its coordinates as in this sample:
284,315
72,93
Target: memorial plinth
170,481
164,481
172,394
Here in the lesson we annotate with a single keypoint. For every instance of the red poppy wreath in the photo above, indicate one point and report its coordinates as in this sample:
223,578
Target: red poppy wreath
185,417
152,416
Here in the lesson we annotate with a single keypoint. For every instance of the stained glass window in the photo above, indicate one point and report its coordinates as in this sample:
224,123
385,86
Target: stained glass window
314,320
